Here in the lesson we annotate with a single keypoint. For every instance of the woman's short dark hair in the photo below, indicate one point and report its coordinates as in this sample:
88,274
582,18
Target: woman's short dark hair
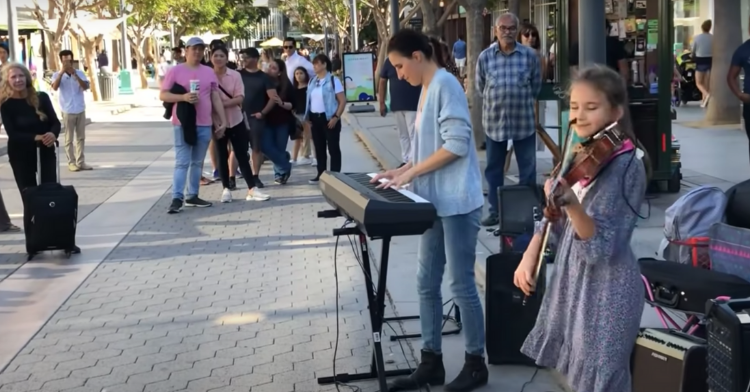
323,59
304,71
220,48
408,41
529,30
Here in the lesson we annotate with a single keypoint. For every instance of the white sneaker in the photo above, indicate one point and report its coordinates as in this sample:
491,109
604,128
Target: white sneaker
256,195
303,161
226,196
314,162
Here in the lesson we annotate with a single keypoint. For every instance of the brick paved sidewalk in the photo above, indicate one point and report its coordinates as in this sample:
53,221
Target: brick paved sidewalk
236,297
118,153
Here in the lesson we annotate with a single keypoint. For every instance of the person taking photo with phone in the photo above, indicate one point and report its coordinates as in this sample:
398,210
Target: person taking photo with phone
70,83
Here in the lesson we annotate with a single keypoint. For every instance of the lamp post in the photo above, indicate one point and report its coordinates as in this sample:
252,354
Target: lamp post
126,86
13,53
355,26
172,23
395,20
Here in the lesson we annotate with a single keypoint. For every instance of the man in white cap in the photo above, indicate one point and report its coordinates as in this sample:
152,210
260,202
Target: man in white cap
190,90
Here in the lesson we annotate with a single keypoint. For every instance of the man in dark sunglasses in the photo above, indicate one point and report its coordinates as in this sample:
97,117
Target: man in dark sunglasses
294,60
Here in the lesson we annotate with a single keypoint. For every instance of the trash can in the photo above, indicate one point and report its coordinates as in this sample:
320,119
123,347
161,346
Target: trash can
107,85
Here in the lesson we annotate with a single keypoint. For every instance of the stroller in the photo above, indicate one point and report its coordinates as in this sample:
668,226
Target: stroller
687,90
684,280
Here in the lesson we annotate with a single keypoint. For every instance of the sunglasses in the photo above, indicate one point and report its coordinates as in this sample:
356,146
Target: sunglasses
288,47
528,34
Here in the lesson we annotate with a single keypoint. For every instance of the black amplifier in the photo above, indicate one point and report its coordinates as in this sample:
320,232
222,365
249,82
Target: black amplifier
728,327
668,361
508,319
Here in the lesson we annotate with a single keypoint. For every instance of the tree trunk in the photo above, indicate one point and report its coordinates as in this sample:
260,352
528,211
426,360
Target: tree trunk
383,36
137,46
52,54
514,7
724,107
474,37
429,19
89,53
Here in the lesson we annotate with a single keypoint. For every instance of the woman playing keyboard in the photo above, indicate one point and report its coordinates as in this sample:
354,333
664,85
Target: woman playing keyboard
444,170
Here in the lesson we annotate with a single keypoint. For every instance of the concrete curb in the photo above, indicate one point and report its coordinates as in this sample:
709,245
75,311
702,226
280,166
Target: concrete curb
122,109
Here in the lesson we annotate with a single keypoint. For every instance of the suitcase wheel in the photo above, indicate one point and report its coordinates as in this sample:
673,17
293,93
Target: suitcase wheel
68,253
30,256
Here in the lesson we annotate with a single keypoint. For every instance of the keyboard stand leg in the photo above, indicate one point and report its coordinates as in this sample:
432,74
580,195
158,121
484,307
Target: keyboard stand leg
456,319
376,307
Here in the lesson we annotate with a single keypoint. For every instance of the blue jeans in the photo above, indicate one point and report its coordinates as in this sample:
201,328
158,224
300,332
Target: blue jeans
273,145
188,162
452,240
525,150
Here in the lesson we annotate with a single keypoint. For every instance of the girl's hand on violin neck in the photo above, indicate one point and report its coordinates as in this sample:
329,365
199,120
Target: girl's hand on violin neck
548,187
566,194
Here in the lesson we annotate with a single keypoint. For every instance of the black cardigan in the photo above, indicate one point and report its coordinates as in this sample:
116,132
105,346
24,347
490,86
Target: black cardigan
22,123
186,113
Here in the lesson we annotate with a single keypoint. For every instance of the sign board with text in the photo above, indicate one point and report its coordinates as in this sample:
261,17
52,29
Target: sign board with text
359,77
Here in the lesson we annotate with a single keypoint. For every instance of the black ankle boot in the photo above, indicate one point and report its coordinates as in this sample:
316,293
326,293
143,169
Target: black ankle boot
473,375
429,372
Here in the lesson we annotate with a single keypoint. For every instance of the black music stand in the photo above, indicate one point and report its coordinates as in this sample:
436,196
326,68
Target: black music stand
376,307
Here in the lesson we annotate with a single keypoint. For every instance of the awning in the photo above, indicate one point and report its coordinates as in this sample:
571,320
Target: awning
273,42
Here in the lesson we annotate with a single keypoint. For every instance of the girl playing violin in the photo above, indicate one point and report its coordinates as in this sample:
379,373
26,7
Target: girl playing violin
591,311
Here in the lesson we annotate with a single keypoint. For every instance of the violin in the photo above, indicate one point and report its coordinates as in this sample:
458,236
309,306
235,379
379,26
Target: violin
589,158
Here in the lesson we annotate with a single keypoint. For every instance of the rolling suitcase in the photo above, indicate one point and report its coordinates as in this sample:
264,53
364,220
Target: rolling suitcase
50,214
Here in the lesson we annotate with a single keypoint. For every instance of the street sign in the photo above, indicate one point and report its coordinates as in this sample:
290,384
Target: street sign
416,23
294,34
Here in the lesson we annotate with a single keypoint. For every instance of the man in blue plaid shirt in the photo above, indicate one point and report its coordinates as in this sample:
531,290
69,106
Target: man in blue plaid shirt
508,77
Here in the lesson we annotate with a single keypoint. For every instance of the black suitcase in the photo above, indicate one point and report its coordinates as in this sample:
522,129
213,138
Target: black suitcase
686,288
50,214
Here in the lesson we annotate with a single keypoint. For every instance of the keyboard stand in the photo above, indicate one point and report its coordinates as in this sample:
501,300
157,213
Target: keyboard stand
456,319
376,307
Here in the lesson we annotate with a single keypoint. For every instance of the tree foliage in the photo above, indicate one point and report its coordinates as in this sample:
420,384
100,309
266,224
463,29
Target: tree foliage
232,17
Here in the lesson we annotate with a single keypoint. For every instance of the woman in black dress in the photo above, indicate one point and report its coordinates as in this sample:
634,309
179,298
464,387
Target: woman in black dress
32,126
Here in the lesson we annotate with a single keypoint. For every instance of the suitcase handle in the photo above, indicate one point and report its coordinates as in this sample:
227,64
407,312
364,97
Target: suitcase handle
39,161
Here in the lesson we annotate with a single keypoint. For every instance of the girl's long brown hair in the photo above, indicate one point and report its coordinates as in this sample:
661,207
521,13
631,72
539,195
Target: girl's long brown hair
6,91
612,86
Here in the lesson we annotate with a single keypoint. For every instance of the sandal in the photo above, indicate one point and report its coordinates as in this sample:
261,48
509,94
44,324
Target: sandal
206,181
11,229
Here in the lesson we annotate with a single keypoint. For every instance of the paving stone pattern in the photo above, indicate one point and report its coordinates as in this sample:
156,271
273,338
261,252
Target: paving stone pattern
237,297
127,152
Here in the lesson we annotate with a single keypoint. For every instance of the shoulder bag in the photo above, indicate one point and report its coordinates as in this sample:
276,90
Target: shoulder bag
244,115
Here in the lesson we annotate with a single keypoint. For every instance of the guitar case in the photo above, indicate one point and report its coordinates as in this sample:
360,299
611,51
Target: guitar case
685,288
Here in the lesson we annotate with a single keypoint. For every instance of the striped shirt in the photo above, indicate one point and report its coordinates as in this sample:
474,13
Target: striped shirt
509,84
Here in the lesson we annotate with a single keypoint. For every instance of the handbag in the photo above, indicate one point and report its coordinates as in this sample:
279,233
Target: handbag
296,131
244,115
